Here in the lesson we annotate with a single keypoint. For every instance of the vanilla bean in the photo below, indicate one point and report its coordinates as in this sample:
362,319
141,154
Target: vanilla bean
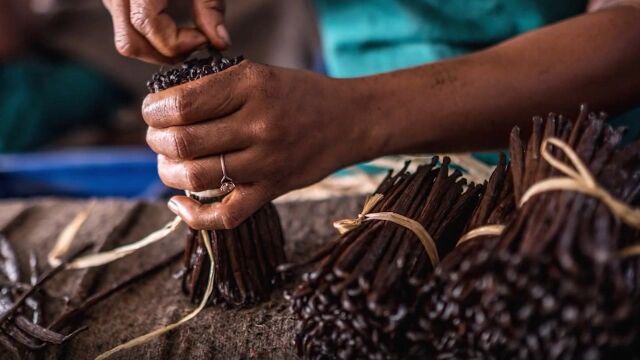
41,281
72,313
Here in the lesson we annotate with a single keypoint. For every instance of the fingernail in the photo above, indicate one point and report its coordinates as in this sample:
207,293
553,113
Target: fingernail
173,206
224,34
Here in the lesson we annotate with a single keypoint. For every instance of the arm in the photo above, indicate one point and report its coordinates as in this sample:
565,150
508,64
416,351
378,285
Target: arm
472,102
283,129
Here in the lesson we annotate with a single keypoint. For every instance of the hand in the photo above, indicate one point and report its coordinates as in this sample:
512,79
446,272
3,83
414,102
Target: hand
144,30
278,129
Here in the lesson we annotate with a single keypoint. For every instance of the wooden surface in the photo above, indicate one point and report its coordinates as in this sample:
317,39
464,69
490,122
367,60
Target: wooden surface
263,331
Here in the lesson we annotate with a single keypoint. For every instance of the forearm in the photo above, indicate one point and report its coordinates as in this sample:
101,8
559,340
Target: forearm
472,102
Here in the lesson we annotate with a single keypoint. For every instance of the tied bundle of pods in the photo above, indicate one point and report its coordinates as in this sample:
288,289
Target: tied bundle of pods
245,258
496,207
355,303
556,284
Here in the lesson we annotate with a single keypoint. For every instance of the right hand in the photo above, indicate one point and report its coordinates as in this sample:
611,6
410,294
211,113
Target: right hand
143,30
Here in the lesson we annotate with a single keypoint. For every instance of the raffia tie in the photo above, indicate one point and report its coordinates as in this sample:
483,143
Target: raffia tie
487,230
65,241
579,179
346,225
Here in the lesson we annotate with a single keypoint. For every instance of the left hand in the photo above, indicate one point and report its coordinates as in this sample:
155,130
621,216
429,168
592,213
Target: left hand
278,129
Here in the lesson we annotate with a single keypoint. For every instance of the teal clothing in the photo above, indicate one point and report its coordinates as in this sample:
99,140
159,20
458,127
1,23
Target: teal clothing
364,37
40,100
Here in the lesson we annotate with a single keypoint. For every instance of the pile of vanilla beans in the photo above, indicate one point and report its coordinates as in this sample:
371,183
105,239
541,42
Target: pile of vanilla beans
355,303
554,284
23,324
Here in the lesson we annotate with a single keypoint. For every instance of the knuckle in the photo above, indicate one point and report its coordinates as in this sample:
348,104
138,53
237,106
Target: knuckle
231,219
195,177
269,132
164,171
253,73
150,138
180,148
261,77
181,106
169,49
148,111
125,48
140,21
192,220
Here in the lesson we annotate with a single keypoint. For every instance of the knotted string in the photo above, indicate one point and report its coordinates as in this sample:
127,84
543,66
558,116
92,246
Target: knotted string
579,179
486,230
143,339
65,240
346,225
629,251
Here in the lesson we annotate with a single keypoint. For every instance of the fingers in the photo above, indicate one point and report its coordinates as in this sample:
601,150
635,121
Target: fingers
127,40
209,17
148,17
206,173
203,139
231,212
210,97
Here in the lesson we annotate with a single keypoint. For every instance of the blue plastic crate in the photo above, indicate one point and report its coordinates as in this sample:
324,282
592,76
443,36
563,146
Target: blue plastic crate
102,172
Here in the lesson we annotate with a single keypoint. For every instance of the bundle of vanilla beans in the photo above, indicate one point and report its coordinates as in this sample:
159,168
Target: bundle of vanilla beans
552,278
245,258
556,283
355,303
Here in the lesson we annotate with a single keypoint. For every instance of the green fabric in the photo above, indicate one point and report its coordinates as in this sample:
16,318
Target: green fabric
364,37
40,100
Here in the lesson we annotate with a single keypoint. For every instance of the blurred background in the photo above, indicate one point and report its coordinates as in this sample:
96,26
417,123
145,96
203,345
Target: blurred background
70,120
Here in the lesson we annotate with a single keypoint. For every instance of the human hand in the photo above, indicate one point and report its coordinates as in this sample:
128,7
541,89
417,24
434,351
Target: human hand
278,130
143,29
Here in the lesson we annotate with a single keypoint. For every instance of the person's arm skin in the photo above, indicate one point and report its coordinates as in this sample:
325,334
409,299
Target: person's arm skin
284,129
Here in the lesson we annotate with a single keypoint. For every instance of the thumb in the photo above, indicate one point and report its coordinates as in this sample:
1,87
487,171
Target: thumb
234,209
209,17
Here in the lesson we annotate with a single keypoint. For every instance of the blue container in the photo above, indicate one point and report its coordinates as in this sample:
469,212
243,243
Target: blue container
107,172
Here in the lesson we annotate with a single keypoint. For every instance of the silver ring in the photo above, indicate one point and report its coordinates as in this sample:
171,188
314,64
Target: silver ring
226,183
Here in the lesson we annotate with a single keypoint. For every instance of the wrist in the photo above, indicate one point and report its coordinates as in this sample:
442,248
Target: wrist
364,119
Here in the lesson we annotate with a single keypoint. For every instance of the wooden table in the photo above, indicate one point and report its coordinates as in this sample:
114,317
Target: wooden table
263,331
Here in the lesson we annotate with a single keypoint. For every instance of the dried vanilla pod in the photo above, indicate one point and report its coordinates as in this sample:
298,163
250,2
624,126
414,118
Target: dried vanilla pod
553,286
245,258
355,303
21,310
